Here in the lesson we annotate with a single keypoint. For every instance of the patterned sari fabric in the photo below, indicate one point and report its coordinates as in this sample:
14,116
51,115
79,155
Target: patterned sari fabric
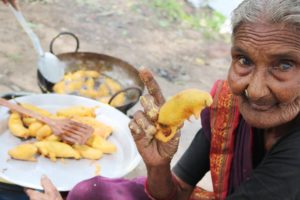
231,144
224,120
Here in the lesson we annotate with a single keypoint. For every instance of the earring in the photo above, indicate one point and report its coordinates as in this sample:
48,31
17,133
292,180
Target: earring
246,93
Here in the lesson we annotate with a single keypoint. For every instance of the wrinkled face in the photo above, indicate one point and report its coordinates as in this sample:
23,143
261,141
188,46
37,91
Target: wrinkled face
266,64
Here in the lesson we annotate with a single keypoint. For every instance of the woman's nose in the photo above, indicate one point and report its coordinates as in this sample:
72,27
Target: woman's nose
257,86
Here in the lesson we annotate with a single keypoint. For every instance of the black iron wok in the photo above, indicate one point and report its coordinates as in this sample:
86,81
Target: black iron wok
115,68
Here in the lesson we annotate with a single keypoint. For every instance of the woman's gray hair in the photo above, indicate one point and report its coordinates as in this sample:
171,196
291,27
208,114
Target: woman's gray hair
270,11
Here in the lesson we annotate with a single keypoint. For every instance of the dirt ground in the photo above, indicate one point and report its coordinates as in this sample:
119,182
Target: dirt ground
128,29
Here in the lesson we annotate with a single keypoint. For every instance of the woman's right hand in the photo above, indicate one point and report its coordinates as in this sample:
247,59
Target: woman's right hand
12,2
143,126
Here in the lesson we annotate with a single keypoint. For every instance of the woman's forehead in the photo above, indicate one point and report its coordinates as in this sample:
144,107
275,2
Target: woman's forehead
267,36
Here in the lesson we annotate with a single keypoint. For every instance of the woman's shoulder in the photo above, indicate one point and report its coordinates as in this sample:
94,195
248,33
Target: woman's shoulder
291,138
278,173
288,146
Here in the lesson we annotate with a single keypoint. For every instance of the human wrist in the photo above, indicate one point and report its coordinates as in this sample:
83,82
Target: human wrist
160,172
171,196
160,183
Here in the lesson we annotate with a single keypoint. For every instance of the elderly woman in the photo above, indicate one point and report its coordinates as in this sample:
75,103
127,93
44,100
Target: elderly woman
250,135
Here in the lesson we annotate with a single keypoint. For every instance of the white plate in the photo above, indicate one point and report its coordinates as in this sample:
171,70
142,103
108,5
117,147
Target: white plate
68,173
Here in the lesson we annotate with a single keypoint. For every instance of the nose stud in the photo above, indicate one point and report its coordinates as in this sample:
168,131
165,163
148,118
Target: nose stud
246,93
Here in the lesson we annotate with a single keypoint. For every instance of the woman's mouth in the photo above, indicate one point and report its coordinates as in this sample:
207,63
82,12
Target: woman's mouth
260,107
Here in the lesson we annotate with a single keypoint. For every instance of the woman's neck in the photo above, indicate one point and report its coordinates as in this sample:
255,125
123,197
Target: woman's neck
272,135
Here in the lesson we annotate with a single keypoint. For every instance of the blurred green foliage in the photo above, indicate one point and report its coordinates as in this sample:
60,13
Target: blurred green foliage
88,2
175,10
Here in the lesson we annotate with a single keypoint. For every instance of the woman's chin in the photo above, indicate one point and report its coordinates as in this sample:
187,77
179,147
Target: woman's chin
263,119
257,122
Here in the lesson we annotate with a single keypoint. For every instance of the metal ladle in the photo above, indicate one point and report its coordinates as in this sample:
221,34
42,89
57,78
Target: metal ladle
48,64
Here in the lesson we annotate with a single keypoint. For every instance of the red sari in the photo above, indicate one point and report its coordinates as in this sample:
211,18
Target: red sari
227,139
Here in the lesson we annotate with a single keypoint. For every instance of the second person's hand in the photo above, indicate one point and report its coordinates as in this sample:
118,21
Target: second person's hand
143,125
50,191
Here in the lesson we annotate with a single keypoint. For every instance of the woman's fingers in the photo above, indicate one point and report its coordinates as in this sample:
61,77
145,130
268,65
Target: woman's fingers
136,131
139,134
150,107
145,124
151,85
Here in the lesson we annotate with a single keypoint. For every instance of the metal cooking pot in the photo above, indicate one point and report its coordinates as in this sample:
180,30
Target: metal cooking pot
124,73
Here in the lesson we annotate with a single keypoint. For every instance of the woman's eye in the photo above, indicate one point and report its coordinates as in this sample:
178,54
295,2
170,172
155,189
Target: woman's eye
245,61
285,66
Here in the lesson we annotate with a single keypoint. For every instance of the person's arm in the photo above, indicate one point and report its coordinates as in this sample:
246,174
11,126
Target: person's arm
278,175
161,183
190,168
157,155
194,163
